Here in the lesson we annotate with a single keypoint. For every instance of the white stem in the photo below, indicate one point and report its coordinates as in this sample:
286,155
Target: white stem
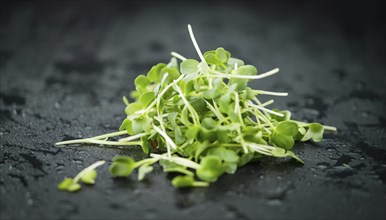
217,113
195,116
267,103
263,118
178,160
113,143
262,92
163,92
85,140
91,167
131,138
265,109
177,55
195,44
167,138
229,76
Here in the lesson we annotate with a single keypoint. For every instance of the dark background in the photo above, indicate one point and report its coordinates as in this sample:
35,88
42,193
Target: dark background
66,65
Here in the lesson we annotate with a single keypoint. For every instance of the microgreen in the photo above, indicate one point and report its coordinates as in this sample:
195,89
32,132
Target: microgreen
87,176
200,120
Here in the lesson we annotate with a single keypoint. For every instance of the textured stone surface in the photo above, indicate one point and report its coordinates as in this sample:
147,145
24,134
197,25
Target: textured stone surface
64,68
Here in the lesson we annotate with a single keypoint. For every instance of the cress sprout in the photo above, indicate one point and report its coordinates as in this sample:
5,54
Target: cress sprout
199,119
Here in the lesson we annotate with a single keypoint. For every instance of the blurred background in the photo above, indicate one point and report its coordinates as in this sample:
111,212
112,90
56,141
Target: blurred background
65,65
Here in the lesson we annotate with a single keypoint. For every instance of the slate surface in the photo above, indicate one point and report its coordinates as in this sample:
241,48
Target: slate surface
65,66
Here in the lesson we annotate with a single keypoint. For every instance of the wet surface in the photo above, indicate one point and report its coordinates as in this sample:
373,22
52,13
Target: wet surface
64,70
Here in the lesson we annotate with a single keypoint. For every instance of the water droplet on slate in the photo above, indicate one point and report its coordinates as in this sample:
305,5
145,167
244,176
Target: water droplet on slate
274,202
322,167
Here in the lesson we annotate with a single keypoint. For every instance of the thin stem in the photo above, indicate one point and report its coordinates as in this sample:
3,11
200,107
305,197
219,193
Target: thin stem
134,137
237,109
329,128
242,142
262,92
177,55
178,160
85,140
265,109
195,44
215,111
163,92
267,103
188,105
200,184
148,161
326,127
85,170
113,134
113,143
167,138
229,76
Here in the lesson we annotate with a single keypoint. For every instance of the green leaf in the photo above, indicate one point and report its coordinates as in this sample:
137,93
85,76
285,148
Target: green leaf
141,82
145,145
192,131
122,166
184,117
74,187
209,123
211,93
230,167
282,141
182,181
172,73
127,125
222,135
69,185
301,132
247,70
224,103
244,159
89,177
232,61
222,55
243,70
210,58
189,66
199,104
132,108
143,170
65,184
210,169
172,118
287,128
142,124
224,154
207,135
154,74
201,147
314,132
146,98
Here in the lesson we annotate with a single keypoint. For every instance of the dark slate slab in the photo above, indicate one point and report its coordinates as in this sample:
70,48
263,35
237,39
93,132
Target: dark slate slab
65,66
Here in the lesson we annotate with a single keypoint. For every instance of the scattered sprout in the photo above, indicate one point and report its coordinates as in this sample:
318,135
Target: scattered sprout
200,120
87,176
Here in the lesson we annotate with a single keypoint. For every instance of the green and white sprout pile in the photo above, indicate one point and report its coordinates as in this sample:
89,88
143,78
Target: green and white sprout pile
199,119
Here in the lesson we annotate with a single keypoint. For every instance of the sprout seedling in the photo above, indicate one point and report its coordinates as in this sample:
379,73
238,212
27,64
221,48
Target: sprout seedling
200,119
87,176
